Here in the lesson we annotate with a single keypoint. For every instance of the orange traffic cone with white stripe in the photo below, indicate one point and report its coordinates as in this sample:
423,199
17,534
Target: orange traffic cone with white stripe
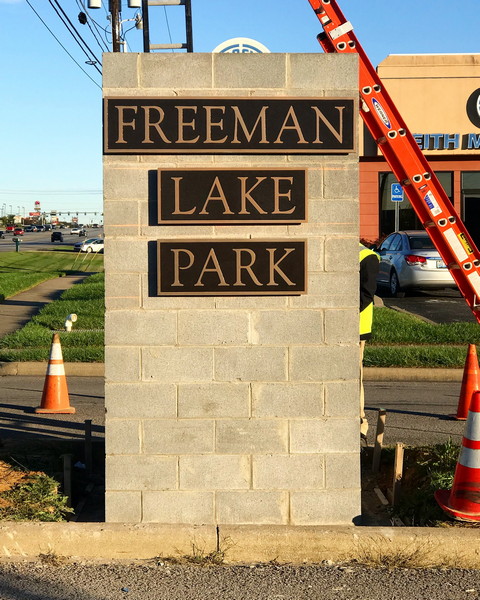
470,383
55,397
463,500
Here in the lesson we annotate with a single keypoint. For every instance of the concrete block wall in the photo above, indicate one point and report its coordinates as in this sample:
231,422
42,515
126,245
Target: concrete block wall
232,410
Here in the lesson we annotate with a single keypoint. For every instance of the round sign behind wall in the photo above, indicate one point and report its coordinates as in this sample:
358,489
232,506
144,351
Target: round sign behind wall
241,45
473,108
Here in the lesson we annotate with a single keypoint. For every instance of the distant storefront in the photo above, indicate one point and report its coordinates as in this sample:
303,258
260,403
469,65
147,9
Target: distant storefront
439,98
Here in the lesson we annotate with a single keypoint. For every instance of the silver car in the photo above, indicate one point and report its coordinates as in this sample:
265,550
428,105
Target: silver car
409,259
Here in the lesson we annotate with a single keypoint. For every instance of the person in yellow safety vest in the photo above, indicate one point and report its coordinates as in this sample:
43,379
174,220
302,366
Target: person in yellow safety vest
369,266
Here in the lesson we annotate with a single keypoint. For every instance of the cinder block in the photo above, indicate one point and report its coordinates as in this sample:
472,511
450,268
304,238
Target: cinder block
340,213
242,436
120,70
123,507
214,472
287,327
316,254
122,285
213,400
323,72
341,254
249,71
126,255
125,183
178,437
252,507
342,471
125,303
196,508
123,436
315,186
341,183
324,435
212,328
251,302
327,507
286,400
141,328
342,399
140,400
341,326
329,290
122,363
288,472
177,365
250,364
175,70
141,473
121,218
323,363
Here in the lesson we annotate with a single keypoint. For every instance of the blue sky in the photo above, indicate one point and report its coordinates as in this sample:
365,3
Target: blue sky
50,109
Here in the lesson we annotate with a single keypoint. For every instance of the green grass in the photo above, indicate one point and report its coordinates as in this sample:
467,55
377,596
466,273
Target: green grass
20,271
85,343
402,340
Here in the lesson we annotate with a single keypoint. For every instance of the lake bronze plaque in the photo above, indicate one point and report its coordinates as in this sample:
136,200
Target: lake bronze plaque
231,268
231,196
229,125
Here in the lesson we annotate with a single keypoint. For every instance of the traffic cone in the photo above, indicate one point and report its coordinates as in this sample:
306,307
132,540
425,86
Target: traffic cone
55,397
470,383
462,502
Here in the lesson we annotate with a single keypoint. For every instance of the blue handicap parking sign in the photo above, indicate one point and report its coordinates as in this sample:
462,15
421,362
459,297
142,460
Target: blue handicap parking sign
397,193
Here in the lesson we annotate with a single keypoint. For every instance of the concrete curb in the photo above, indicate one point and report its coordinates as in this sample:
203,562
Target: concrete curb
369,374
40,368
419,546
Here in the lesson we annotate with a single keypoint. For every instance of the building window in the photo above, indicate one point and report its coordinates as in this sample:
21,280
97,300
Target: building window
471,204
407,219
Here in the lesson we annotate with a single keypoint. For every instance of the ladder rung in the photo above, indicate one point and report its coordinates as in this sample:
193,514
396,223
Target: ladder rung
167,46
165,2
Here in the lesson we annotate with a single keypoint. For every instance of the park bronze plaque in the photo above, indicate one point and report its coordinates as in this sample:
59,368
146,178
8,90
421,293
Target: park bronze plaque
229,125
231,196
231,268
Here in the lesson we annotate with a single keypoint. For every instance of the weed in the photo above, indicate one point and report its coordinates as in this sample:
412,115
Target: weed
36,499
380,552
52,559
200,556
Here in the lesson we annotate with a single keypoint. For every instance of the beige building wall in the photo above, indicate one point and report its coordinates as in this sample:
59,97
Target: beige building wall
431,92
232,410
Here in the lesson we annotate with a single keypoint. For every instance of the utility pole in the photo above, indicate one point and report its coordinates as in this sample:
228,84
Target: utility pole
115,9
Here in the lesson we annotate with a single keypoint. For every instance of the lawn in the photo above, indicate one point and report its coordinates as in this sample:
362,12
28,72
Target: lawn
402,340
20,271
85,343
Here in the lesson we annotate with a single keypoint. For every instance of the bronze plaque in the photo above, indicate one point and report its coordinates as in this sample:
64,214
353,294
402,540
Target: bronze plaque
229,125
231,268
231,196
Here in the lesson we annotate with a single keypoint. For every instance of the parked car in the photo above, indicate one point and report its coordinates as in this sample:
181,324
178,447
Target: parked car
40,227
78,231
18,231
2,234
90,245
408,260
57,236
9,228
30,229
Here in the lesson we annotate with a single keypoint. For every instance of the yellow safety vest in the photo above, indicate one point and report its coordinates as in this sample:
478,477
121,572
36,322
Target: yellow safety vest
366,314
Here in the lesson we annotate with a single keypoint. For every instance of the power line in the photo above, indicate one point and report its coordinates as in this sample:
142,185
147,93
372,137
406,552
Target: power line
62,46
99,40
75,35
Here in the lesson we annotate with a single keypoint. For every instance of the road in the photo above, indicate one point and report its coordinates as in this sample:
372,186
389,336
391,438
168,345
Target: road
159,580
40,240
417,412
439,306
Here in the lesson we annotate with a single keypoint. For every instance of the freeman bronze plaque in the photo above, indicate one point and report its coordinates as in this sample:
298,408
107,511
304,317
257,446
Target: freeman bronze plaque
229,125
231,196
231,268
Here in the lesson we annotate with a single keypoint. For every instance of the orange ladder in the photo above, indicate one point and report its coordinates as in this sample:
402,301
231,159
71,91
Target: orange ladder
408,164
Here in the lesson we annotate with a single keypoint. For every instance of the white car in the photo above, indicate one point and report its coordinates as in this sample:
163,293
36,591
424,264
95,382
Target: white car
77,231
91,245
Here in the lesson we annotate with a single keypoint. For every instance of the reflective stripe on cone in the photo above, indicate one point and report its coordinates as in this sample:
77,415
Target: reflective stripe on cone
55,398
463,500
